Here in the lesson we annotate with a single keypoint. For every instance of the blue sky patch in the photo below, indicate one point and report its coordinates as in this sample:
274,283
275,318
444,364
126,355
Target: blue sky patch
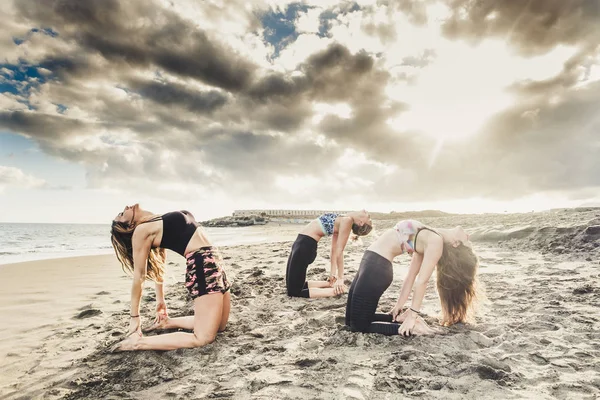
61,108
324,24
20,79
46,31
280,29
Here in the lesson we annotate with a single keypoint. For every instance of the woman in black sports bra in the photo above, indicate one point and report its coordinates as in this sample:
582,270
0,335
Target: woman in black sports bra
140,238
447,249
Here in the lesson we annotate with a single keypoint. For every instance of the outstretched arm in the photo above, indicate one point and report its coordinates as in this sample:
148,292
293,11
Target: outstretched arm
141,248
333,259
161,304
338,244
159,284
407,285
430,259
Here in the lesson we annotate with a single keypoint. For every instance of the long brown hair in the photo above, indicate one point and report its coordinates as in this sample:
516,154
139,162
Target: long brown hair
120,236
361,230
457,283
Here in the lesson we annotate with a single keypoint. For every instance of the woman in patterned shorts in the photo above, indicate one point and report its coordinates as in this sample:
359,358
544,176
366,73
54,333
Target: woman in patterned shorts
140,238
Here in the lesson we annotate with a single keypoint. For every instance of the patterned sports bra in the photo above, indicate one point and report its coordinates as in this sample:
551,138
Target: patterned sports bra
407,231
407,234
327,222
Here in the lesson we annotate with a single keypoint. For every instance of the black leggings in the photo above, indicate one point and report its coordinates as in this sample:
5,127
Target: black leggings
374,276
304,252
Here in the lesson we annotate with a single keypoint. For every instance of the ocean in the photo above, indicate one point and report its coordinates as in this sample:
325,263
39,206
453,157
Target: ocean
26,242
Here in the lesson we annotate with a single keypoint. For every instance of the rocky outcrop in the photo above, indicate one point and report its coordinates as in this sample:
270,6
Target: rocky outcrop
236,221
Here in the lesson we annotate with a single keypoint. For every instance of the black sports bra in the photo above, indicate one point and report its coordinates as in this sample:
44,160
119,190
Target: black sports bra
178,229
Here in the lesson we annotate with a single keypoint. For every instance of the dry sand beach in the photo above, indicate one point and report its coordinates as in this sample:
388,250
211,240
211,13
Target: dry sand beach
537,335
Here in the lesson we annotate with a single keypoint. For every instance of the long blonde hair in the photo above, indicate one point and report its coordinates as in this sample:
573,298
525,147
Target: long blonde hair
120,236
457,283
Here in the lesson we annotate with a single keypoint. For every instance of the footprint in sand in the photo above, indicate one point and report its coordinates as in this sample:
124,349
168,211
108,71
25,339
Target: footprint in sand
402,384
307,362
88,313
539,360
489,373
359,383
585,289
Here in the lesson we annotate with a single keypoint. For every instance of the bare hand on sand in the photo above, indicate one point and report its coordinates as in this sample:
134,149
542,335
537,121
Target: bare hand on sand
129,343
160,322
414,325
339,287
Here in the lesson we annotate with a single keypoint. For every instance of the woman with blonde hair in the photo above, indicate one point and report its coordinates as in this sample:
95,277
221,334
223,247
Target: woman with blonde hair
140,238
447,249
304,252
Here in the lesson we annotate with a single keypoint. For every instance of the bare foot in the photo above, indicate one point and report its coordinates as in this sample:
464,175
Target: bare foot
421,328
400,318
129,344
158,324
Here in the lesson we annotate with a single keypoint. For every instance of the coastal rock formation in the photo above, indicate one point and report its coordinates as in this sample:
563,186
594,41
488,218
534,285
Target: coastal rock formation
236,221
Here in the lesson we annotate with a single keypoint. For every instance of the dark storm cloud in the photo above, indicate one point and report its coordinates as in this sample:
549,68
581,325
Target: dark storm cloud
331,75
283,117
42,126
176,94
337,75
278,85
283,102
65,66
139,33
532,26
334,73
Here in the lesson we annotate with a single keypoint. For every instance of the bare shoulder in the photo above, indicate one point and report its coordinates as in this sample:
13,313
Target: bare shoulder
342,223
388,239
145,231
435,242
344,219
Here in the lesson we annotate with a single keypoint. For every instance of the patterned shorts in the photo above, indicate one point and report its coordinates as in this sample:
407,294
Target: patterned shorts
204,273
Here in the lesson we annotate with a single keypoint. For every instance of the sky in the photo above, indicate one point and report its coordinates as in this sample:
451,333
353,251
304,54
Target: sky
464,106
